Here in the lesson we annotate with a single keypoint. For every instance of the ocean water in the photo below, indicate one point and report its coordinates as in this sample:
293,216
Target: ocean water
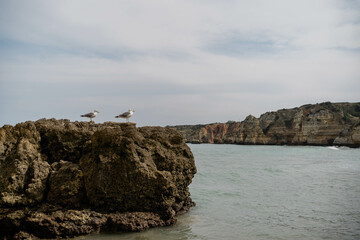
268,192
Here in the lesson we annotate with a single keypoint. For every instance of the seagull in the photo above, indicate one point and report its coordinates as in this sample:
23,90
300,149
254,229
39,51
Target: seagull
91,115
126,115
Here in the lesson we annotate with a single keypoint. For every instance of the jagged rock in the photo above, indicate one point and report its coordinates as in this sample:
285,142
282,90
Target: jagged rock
23,172
24,235
349,136
66,184
63,179
251,132
134,165
319,124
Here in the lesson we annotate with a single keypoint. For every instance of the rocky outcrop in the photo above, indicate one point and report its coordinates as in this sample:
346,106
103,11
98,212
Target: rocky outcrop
61,179
319,124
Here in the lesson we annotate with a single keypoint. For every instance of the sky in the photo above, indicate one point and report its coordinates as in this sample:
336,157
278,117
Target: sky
175,62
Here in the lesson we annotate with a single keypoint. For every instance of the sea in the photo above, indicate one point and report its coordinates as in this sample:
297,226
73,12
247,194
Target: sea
267,192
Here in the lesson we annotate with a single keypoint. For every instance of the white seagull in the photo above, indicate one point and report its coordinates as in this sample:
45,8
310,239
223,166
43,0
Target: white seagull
91,115
126,115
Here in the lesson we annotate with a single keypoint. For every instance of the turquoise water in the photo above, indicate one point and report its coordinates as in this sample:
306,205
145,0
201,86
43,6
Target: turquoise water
268,192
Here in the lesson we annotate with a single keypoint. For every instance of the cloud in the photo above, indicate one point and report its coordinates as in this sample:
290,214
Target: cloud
175,61
178,26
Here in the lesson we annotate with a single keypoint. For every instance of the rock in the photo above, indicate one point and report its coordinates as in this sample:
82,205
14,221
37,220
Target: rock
23,171
10,221
349,136
24,235
319,124
135,221
66,185
61,179
69,223
134,165
251,132
63,223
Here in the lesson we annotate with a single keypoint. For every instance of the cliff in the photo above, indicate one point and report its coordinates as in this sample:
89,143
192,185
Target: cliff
319,124
61,179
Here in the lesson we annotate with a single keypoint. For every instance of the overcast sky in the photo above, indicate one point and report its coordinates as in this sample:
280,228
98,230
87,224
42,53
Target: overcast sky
175,62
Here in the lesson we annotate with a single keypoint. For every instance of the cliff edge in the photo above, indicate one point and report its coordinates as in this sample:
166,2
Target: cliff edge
313,124
61,179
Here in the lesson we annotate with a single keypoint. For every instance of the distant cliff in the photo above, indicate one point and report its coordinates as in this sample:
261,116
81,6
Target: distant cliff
318,124
60,179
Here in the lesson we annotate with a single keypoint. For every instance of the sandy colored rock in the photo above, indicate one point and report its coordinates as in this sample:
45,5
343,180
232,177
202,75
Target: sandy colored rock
318,124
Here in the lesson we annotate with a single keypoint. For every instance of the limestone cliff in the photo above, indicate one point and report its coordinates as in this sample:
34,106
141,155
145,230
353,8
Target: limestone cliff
319,124
60,179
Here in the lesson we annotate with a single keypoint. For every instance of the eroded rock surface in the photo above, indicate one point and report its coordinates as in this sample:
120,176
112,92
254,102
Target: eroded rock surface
60,179
319,124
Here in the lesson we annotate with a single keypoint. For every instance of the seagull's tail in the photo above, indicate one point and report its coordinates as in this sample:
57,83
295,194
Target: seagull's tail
82,115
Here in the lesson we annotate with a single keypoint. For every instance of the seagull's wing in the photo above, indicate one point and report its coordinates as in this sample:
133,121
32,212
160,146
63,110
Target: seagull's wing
123,115
89,115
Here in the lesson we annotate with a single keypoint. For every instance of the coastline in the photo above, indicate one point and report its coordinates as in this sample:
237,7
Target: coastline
324,124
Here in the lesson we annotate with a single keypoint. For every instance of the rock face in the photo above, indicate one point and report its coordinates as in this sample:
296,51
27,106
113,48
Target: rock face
60,179
320,124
